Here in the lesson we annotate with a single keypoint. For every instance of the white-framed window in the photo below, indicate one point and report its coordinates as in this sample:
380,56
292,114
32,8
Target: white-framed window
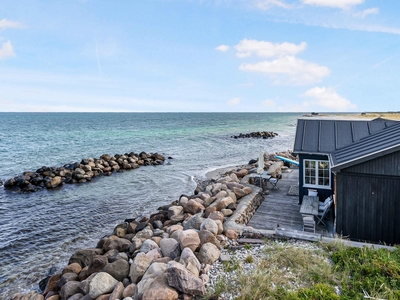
317,173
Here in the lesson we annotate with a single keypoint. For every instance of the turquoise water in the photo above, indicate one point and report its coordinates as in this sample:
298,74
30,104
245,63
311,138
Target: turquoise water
42,230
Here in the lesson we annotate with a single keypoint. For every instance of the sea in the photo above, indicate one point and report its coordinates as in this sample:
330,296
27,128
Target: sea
40,231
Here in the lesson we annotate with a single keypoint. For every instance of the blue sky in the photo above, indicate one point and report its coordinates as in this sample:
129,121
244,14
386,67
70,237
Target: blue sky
199,56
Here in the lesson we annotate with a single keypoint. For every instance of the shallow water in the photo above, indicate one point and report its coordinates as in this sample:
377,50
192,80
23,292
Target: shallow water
42,229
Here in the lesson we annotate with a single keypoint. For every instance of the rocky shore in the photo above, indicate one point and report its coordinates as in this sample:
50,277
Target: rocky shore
86,170
164,255
256,134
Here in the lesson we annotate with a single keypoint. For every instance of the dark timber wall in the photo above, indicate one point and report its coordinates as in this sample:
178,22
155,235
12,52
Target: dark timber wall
368,200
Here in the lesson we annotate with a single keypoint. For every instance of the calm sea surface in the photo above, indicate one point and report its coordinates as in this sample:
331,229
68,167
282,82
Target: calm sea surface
41,230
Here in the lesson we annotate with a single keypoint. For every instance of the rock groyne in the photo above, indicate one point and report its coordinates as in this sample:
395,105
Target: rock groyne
84,171
256,134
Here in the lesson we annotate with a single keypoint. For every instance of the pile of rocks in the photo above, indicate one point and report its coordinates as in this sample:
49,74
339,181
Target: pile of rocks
52,177
256,134
165,255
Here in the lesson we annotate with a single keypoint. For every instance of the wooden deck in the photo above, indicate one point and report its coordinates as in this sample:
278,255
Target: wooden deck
282,210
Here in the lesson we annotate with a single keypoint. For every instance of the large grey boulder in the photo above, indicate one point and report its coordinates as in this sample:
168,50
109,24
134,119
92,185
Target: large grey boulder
193,222
183,280
148,245
210,225
118,269
85,256
156,269
190,261
170,248
139,267
102,283
159,289
208,254
69,289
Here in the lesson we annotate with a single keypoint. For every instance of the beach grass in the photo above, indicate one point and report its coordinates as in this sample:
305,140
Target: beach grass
330,271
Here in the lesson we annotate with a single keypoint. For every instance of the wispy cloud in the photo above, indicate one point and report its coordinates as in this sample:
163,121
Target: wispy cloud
366,12
267,4
4,23
6,50
222,48
246,48
327,98
343,4
234,102
299,72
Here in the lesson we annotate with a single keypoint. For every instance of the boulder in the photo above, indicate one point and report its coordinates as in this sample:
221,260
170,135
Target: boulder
193,207
227,212
231,234
136,244
210,225
129,290
102,283
139,267
69,289
154,254
175,213
239,192
84,286
84,257
156,269
117,256
114,242
175,235
144,234
183,280
98,263
208,237
208,254
159,289
189,238
72,268
66,278
193,222
216,215
117,292
190,261
170,230
223,203
148,245
247,190
52,284
170,248
118,269
54,182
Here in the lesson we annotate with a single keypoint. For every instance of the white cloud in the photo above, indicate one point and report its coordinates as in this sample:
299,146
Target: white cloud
366,12
234,102
222,48
343,4
6,50
267,4
327,98
246,48
10,24
299,71
269,103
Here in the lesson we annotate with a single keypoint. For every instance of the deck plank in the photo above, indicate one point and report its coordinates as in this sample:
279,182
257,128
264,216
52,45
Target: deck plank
282,210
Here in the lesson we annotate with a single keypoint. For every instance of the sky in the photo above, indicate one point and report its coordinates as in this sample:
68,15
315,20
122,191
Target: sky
199,56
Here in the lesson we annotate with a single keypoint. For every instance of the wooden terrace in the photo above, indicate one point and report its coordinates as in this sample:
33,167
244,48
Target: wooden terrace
279,209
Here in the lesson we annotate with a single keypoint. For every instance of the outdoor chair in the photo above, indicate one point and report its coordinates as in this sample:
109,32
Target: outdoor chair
274,181
308,223
323,210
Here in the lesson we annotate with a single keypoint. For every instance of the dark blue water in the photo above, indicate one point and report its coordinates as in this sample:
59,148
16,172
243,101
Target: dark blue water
43,229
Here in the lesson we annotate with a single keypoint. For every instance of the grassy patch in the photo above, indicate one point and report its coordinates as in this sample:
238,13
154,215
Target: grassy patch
290,272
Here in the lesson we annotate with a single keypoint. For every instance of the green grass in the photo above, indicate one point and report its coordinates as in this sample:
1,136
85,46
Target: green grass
315,273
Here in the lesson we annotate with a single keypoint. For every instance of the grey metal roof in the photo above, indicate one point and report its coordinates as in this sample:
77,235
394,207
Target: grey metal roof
381,143
325,136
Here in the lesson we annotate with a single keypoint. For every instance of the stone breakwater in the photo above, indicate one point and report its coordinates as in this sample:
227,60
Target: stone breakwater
256,134
53,177
164,255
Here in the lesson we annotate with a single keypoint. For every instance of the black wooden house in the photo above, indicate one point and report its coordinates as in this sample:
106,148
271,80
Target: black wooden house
359,162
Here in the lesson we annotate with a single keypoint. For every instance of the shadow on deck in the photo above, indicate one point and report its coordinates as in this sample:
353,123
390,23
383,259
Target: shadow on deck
279,209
